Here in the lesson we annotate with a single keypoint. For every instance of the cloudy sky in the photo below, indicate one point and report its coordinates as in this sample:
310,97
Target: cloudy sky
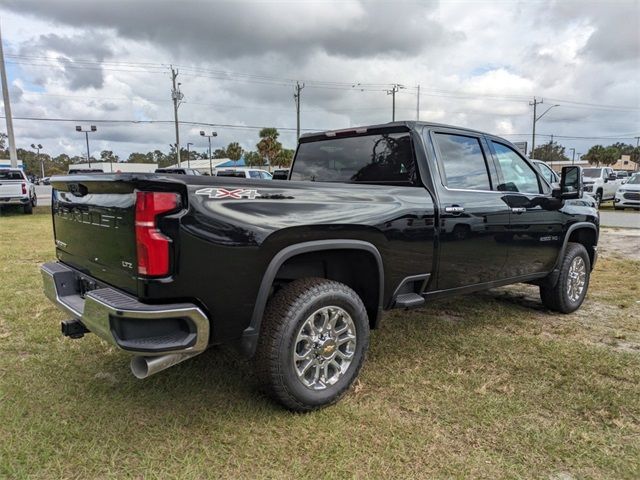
478,64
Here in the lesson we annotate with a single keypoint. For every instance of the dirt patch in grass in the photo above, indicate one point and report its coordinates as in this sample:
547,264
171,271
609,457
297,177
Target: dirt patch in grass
487,385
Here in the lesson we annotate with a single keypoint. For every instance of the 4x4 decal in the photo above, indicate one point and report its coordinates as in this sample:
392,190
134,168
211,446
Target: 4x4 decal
236,193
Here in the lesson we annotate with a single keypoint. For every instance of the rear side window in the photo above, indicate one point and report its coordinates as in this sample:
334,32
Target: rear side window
254,174
517,174
379,159
463,161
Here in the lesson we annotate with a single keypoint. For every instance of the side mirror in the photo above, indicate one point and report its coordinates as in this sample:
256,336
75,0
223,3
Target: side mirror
613,176
570,183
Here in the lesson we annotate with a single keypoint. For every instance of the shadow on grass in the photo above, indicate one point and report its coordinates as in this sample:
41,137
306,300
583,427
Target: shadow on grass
18,211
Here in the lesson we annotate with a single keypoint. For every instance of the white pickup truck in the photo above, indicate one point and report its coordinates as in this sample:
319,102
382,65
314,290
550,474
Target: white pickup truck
16,189
601,182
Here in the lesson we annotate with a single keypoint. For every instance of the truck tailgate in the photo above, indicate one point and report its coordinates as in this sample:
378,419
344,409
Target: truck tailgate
94,227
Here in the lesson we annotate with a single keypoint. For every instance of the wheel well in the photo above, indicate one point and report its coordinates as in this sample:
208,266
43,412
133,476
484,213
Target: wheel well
357,269
587,237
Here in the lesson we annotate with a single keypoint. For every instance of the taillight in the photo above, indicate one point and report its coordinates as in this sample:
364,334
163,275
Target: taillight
24,188
152,245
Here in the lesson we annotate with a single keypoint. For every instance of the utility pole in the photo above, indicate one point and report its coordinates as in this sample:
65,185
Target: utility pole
573,155
533,134
296,98
176,96
418,105
394,89
13,155
535,103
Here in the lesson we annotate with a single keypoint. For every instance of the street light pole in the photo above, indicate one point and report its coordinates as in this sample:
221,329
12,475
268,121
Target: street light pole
92,128
189,155
213,134
573,155
37,148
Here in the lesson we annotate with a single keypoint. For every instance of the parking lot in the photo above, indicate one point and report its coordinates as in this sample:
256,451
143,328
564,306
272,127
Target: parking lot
489,385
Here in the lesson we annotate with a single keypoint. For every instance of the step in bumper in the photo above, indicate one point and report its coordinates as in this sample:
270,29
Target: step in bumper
122,320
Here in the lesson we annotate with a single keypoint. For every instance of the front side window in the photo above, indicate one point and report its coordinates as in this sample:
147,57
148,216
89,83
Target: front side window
379,159
463,162
517,175
547,173
254,174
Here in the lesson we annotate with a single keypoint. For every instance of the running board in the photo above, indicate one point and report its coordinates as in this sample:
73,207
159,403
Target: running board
409,300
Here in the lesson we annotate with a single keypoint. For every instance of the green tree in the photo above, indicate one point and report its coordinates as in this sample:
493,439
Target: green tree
219,153
253,159
234,151
610,155
137,157
269,147
108,156
284,158
550,152
594,155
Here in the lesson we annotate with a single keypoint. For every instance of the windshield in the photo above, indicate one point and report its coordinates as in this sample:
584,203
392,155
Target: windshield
635,180
591,172
384,158
10,175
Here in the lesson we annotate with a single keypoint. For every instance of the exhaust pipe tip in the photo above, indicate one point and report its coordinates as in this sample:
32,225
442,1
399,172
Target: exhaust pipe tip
140,367
143,367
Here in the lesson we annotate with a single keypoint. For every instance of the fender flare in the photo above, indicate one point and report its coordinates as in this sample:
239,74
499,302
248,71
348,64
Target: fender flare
249,340
555,273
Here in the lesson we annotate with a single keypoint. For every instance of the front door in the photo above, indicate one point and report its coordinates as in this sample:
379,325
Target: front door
536,224
473,216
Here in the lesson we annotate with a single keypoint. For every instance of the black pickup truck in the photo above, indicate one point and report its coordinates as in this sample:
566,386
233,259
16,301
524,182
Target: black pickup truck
296,272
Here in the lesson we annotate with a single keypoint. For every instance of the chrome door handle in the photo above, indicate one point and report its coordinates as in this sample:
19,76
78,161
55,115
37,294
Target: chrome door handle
454,209
518,209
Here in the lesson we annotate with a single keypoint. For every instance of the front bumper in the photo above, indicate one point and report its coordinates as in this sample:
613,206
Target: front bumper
627,199
121,319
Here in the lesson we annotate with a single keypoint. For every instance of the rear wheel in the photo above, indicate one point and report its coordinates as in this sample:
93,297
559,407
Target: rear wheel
314,337
568,293
28,208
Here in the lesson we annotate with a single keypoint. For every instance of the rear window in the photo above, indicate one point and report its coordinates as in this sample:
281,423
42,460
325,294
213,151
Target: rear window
591,172
379,159
9,175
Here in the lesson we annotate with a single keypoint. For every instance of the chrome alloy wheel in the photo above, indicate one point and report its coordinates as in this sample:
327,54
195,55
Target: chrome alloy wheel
324,347
576,279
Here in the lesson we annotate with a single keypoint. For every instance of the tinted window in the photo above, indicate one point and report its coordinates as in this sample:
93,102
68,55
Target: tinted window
9,175
230,173
518,176
463,162
265,175
254,174
386,158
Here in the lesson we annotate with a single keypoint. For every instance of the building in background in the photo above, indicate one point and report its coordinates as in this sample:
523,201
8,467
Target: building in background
625,163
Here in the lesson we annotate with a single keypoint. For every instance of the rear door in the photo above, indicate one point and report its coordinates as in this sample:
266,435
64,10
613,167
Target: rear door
11,182
536,224
473,217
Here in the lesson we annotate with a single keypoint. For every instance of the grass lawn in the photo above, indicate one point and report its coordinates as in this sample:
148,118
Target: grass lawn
485,386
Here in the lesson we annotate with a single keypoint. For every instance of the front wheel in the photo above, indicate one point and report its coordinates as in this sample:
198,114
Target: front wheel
598,198
568,293
314,338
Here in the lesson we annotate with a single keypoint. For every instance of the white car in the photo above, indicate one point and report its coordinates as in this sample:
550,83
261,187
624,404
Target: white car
601,182
245,173
628,195
16,189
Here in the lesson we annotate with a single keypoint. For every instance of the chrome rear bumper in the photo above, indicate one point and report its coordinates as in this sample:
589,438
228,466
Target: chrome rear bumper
122,320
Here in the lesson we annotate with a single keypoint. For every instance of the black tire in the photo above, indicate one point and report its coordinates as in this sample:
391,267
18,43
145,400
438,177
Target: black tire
28,208
598,198
284,317
556,297
34,201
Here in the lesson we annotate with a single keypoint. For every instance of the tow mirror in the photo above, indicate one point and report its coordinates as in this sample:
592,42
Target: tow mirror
570,183
613,176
